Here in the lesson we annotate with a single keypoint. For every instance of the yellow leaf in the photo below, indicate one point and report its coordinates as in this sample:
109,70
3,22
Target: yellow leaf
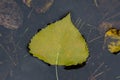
113,39
60,43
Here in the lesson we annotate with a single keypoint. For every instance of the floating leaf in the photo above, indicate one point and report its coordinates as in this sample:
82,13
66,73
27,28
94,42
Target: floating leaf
60,43
112,37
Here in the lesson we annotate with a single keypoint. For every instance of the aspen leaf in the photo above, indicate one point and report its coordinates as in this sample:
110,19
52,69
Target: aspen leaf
60,43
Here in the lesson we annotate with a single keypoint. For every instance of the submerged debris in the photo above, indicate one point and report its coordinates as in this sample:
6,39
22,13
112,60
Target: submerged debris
105,26
40,6
27,2
10,14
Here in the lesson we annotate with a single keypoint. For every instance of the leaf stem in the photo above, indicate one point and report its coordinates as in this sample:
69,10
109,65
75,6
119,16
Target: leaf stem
56,67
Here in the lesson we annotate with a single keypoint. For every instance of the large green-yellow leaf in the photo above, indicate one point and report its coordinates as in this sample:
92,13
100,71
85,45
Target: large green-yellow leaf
60,43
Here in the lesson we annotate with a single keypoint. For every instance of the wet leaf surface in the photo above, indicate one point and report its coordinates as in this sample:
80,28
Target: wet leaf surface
56,44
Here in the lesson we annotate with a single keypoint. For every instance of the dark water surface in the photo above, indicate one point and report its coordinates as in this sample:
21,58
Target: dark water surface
87,15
